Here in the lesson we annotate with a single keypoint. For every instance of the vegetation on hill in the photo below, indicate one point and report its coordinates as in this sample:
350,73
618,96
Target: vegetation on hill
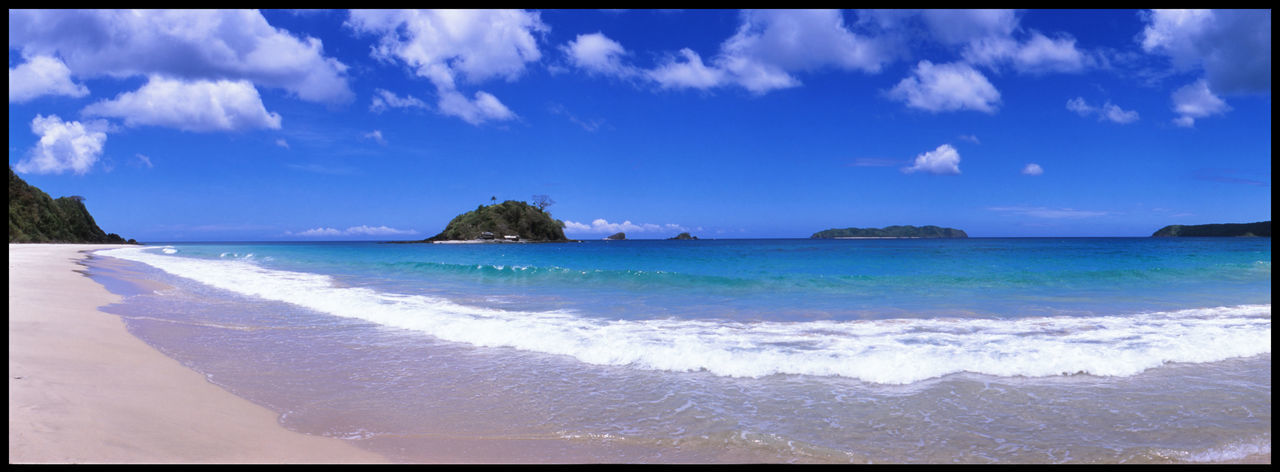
891,232
683,236
1261,228
617,236
511,217
34,217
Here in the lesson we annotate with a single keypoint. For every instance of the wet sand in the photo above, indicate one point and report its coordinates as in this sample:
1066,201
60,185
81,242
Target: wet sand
84,390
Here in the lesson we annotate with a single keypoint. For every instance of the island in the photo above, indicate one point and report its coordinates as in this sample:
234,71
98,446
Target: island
890,232
1259,229
35,217
616,237
683,237
507,222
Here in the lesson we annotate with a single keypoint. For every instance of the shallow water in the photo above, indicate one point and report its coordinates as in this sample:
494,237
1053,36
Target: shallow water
1075,350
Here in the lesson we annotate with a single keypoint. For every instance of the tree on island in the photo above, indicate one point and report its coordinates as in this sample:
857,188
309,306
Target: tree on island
541,202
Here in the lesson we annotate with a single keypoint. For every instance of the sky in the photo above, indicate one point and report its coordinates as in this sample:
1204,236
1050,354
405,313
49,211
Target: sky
246,125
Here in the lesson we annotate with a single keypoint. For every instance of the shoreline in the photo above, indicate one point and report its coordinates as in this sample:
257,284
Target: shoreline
82,389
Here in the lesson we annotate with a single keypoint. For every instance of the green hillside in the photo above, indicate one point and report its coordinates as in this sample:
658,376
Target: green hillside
34,217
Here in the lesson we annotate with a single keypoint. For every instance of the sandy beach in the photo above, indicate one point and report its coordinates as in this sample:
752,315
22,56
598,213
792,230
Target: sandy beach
84,390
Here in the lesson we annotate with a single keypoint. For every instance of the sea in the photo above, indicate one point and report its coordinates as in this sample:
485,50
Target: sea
979,350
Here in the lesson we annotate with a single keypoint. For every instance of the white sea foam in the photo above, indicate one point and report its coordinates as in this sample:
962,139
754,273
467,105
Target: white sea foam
895,351
169,250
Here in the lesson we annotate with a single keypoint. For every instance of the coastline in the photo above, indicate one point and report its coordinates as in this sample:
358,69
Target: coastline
82,389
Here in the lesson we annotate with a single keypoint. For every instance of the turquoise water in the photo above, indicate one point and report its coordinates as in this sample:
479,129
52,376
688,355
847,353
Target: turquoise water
968,350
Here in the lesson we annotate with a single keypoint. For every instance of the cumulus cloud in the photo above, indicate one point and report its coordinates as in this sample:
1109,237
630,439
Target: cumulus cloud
1195,101
596,53
963,26
1107,112
600,225
769,47
383,99
361,230
63,146
691,73
199,106
449,46
191,45
1037,55
1233,47
944,160
1032,169
484,107
40,76
946,87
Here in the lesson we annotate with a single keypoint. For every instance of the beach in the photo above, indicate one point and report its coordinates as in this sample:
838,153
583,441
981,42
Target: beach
82,389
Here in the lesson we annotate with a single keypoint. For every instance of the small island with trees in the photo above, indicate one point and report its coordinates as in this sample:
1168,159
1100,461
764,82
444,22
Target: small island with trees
890,232
1259,229
507,222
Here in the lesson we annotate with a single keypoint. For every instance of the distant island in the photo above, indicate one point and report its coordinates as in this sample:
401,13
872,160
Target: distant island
617,236
34,217
890,232
509,221
1260,229
682,237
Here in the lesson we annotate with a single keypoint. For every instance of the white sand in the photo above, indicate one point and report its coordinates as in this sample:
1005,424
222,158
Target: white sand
84,390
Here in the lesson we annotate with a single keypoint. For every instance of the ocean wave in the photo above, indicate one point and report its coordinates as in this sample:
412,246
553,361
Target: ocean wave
890,351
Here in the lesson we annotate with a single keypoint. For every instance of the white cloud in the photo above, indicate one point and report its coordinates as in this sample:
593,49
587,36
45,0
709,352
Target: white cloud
970,138
600,225
361,230
199,106
383,99
187,44
946,87
1038,55
943,160
1195,101
63,146
1049,213
767,49
1032,169
962,26
1115,114
1233,47
282,143
42,75
598,54
691,73
484,107
446,46
376,135
144,160
1107,112
770,44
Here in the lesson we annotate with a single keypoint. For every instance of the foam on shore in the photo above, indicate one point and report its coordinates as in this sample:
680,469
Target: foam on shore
892,351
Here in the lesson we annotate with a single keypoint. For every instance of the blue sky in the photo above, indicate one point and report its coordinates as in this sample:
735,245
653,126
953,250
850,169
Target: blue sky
342,125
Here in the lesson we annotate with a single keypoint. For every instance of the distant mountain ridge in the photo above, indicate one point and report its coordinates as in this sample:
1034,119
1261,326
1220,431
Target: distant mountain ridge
34,217
1261,229
929,231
